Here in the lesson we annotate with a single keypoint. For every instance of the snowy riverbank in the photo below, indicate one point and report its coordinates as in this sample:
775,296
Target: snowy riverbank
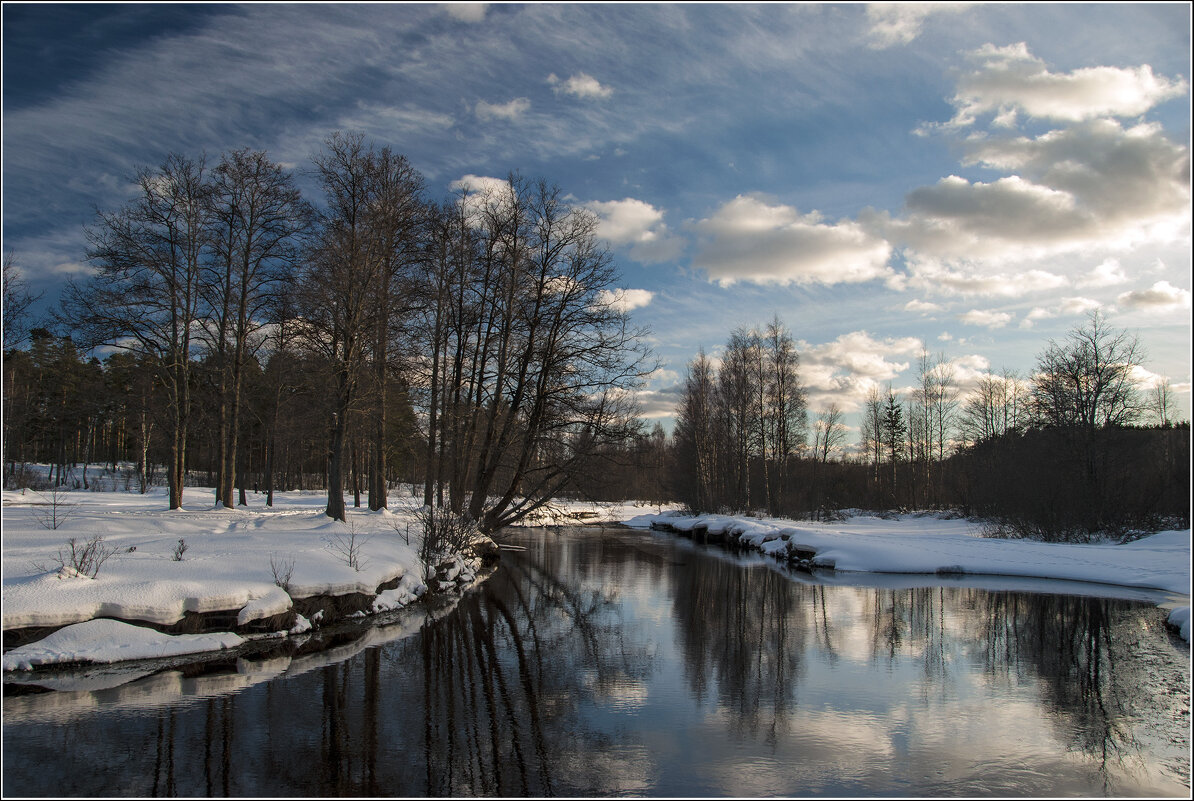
921,544
205,578
194,579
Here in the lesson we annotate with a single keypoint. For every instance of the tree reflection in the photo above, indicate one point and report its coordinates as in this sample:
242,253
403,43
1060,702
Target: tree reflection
744,631
542,681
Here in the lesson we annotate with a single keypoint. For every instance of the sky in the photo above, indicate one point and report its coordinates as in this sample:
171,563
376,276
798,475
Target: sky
970,180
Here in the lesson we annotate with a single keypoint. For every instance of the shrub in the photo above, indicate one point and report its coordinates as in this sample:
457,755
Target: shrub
86,558
282,570
347,545
444,533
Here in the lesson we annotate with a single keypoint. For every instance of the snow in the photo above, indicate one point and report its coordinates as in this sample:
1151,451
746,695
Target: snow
226,565
235,560
927,544
107,641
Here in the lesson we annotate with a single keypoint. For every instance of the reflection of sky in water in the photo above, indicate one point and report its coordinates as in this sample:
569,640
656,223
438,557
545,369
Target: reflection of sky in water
856,712
649,666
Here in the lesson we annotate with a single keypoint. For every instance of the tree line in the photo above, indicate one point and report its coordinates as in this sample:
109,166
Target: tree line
476,344
1074,450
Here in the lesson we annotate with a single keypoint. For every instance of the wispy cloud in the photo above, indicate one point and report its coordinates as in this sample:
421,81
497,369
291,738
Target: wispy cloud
900,23
985,319
1068,307
510,110
467,12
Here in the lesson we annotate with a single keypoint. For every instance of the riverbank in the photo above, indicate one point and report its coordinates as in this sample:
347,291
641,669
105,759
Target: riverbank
160,583
948,545
203,579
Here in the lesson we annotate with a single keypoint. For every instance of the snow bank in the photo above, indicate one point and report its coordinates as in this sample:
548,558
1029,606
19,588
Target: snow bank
1180,619
107,641
922,544
235,560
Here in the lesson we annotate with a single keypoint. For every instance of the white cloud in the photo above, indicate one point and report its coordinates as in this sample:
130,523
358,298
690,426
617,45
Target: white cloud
623,300
380,120
900,23
638,224
510,110
844,370
1011,79
986,319
747,239
1162,295
921,306
1094,186
1127,184
1107,273
1068,307
934,276
580,85
480,184
467,12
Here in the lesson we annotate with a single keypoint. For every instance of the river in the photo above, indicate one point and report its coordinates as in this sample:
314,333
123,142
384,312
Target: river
603,662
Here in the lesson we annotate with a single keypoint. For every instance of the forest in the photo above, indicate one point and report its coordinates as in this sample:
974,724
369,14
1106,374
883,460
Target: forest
235,335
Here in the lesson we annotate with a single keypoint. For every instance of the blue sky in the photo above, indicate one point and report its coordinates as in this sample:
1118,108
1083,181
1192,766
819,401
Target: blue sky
968,178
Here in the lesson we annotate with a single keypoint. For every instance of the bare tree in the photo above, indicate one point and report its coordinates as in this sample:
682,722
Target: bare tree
144,295
829,432
338,290
1161,403
255,219
785,415
738,388
695,436
872,430
17,300
1086,382
538,356
993,408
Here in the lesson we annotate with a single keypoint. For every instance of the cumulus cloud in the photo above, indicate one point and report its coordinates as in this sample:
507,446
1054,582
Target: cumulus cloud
846,369
580,85
1126,184
900,23
1162,295
639,225
467,12
921,307
1092,186
510,110
1106,273
1010,79
748,239
623,300
986,319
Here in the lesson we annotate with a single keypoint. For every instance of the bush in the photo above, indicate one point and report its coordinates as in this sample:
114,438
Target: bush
445,533
85,559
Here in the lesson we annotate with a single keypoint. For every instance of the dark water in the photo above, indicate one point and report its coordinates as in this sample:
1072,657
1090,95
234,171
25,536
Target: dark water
623,663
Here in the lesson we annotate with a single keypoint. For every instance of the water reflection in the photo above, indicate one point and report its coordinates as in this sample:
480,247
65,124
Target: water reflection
613,663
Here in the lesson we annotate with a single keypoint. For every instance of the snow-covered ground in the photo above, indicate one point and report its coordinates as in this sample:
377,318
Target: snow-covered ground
928,544
234,559
201,559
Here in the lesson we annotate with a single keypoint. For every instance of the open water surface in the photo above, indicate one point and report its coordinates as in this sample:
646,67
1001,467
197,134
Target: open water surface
613,662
